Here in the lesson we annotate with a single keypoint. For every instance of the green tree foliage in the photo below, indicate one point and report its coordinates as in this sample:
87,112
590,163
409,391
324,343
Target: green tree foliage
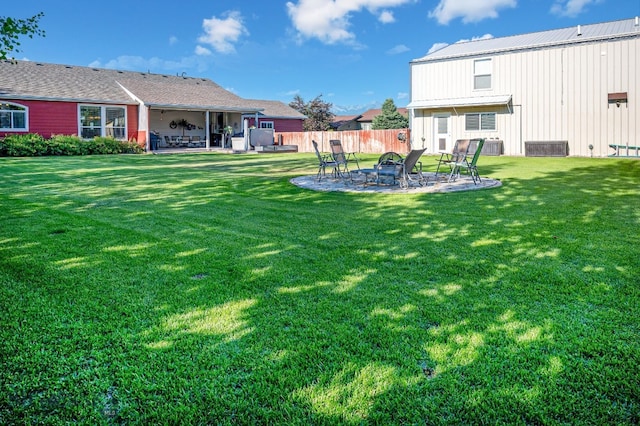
10,31
318,112
390,118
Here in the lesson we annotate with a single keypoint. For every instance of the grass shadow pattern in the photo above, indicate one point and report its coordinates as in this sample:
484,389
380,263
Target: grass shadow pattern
208,289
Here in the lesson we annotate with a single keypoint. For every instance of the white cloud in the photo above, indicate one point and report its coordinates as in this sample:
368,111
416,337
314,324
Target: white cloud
468,10
437,46
386,17
202,51
571,8
329,20
222,33
401,48
402,95
173,40
484,37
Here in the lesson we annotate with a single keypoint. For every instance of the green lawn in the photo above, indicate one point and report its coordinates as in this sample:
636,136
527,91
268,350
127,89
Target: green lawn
206,289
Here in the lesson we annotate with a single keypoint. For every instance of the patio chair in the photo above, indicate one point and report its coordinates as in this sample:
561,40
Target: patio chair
324,161
457,154
470,166
342,159
406,171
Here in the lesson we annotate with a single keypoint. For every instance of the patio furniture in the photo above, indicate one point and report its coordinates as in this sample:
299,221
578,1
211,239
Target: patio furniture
324,161
458,153
406,170
342,159
475,146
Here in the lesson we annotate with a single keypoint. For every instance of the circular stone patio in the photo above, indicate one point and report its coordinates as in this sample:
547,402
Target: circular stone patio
440,184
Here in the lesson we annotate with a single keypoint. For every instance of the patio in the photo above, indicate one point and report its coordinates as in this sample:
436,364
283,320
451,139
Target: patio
434,185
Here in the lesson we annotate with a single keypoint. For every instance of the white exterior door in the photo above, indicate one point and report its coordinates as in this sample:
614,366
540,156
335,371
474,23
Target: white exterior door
442,136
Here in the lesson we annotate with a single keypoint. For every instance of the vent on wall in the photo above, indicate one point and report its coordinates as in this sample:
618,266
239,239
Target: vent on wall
546,148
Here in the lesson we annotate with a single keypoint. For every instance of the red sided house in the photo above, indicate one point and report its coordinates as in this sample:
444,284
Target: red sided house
167,110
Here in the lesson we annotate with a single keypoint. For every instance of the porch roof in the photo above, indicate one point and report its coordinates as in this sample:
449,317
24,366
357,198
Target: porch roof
460,102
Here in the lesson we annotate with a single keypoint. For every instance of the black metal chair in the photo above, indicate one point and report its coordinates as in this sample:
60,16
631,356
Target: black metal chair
457,154
470,166
406,170
324,161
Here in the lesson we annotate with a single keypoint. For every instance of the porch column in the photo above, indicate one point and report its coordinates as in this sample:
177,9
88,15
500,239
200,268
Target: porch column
207,126
143,125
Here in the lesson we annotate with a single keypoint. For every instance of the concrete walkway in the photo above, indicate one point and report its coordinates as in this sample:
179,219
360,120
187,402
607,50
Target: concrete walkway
439,184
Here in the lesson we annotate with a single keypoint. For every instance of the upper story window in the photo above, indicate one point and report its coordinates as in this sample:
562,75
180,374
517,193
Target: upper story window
482,74
266,124
13,117
480,121
96,120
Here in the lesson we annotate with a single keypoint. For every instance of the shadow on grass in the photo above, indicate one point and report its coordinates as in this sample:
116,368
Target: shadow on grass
209,289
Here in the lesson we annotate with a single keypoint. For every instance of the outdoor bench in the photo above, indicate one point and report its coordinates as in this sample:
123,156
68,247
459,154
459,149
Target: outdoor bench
627,150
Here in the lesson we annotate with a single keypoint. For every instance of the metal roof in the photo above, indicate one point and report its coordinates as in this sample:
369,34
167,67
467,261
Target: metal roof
461,102
558,37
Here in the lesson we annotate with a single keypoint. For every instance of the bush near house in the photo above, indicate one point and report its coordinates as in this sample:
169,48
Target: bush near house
34,145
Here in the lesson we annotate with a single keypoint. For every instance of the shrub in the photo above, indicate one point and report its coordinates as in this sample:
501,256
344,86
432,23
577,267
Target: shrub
31,145
21,145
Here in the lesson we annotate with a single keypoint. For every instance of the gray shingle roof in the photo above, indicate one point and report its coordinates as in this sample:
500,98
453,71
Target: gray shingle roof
564,36
34,80
276,109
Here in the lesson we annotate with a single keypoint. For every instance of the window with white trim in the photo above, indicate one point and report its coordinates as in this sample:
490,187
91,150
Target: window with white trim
480,121
97,120
266,124
482,74
14,117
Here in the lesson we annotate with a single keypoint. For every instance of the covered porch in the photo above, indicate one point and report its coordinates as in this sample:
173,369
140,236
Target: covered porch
176,128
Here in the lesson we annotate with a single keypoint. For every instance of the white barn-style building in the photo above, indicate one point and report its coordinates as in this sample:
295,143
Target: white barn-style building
572,91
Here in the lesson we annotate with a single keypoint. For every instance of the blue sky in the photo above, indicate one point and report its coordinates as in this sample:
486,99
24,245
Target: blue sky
355,53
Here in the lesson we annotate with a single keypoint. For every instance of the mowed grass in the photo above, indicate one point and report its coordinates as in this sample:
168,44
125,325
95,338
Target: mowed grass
207,289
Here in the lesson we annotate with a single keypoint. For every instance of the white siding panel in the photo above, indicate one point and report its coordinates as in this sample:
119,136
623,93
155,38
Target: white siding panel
558,93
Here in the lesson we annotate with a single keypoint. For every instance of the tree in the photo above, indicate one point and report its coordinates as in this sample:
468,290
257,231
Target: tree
318,112
390,118
10,31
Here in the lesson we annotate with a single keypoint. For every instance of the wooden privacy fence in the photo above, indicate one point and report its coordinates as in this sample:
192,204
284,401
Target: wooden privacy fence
360,141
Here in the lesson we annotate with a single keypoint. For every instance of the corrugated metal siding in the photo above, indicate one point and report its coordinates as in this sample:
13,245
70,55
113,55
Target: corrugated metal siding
558,94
